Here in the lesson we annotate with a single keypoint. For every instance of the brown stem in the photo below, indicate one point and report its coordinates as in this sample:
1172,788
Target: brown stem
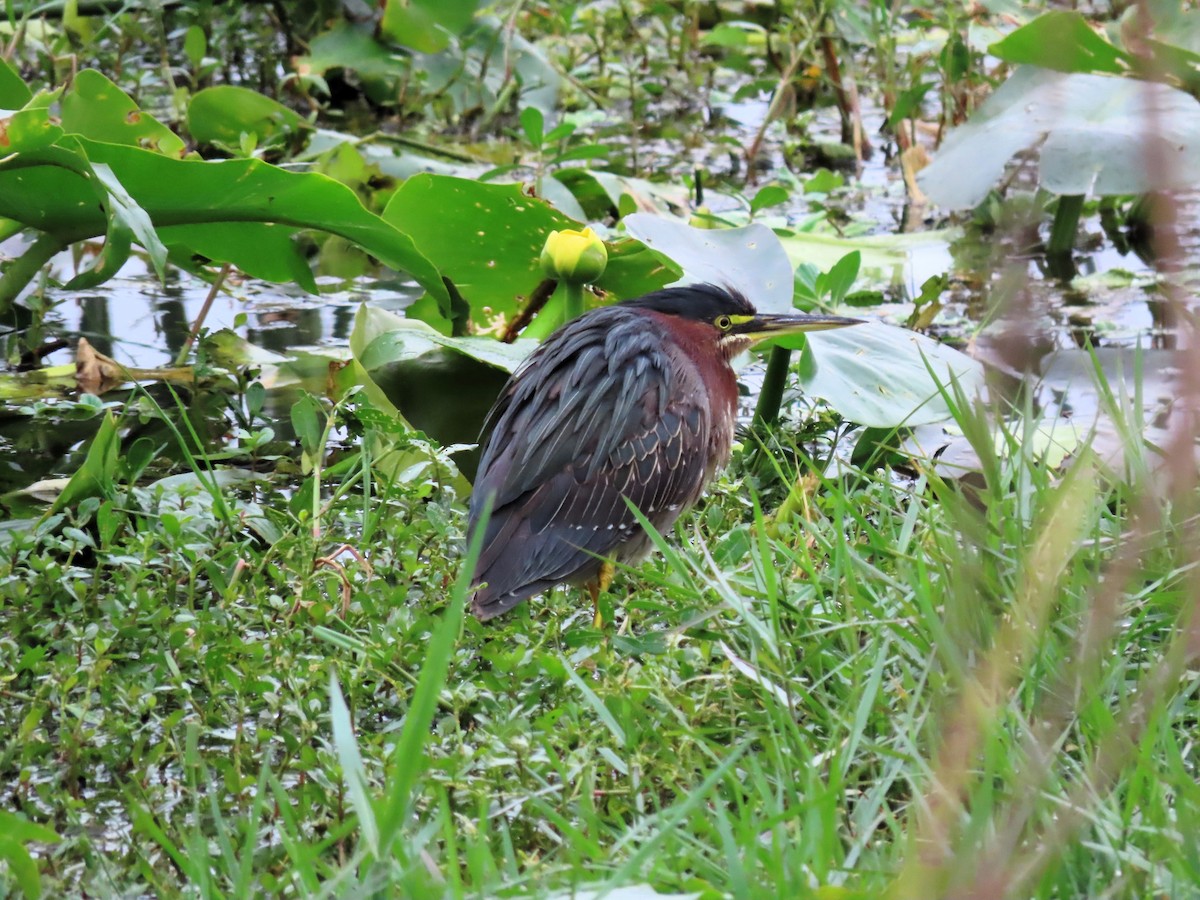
542,293
199,323
846,95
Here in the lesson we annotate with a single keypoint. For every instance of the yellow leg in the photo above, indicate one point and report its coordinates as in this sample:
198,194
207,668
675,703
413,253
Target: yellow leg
603,579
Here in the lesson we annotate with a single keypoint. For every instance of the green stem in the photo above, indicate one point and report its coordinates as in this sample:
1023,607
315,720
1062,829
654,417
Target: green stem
25,267
770,398
574,305
551,315
1066,222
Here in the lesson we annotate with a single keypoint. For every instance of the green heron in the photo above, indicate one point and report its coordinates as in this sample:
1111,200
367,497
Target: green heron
635,401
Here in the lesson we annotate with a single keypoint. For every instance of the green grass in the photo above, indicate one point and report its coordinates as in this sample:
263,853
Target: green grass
890,691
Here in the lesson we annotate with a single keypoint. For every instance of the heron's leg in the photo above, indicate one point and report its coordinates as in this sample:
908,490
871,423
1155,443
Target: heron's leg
597,586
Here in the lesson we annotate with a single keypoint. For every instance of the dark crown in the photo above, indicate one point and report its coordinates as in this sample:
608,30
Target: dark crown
695,301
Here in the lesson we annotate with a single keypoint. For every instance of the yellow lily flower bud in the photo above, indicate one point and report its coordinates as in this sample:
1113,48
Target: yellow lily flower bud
576,257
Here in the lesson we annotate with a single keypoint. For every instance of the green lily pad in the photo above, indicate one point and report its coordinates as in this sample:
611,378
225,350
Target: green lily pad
749,259
882,376
1091,133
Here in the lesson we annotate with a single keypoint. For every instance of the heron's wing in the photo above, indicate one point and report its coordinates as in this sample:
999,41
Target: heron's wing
602,413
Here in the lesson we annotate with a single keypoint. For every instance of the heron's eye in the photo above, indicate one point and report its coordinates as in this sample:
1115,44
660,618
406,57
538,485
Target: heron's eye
724,323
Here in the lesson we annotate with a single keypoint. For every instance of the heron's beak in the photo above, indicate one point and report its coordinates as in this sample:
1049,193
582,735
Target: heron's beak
764,326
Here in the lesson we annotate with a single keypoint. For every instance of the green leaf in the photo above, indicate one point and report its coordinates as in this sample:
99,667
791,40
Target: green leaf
195,45
1064,42
533,123
223,116
262,250
47,190
21,866
14,93
97,109
95,478
838,281
884,258
350,46
16,827
132,218
486,238
27,130
354,773
908,104
425,25
879,375
733,35
306,420
771,195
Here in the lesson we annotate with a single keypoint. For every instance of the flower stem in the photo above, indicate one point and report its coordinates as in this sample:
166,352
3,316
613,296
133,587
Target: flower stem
574,305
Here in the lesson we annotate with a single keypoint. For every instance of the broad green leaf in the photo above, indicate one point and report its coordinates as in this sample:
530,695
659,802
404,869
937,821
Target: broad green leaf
749,259
486,238
97,109
1064,42
350,46
221,116
263,250
14,93
1094,134
45,190
879,375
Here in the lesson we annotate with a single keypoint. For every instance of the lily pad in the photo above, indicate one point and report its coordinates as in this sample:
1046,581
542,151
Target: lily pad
487,239
440,385
882,376
1095,134
749,259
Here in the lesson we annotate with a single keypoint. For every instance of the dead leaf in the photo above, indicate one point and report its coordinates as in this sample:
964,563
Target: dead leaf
96,373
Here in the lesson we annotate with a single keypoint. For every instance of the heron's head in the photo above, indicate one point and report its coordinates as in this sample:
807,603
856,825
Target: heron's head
736,324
